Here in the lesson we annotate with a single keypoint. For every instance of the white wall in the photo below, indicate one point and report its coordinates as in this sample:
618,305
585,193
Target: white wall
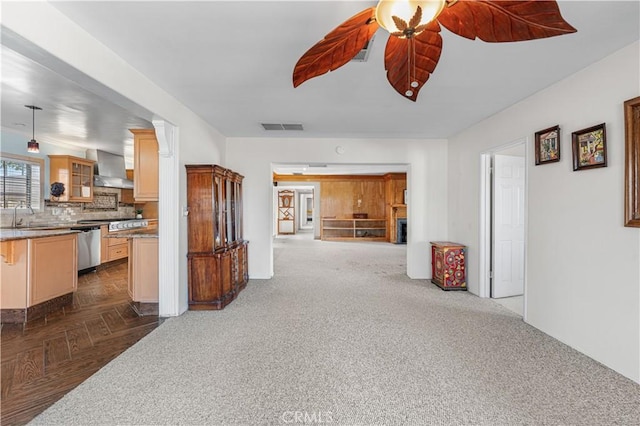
583,265
427,210
46,29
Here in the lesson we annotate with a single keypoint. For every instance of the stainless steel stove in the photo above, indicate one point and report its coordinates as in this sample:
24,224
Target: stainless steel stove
122,225
117,224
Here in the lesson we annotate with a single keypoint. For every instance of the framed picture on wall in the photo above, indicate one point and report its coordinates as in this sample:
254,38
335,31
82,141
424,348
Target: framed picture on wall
547,144
589,147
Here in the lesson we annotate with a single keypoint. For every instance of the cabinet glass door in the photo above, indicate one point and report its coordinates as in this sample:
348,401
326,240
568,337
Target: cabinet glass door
217,211
230,211
238,208
80,180
76,180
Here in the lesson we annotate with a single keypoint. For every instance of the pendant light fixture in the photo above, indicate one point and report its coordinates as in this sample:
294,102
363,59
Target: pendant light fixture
32,145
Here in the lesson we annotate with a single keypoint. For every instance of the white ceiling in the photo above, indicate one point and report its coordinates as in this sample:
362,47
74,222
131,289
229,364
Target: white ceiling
231,62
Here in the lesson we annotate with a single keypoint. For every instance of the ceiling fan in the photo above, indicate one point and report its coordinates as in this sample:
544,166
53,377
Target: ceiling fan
414,45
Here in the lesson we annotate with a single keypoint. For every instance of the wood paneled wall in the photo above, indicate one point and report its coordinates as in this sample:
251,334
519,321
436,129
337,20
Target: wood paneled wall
396,183
341,199
380,196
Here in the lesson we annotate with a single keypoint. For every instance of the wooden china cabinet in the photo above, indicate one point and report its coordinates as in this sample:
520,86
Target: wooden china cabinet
217,254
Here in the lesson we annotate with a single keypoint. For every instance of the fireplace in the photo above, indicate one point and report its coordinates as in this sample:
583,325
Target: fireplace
401,229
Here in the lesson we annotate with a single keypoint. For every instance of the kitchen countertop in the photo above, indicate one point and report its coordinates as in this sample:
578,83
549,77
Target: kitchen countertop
23,234
134,233
47,229
53,226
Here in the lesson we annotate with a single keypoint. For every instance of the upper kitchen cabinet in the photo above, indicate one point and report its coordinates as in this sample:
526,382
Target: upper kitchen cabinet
76,174
126,195
145,165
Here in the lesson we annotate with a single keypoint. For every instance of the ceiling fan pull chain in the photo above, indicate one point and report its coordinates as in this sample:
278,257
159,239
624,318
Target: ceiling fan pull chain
410,52
414,81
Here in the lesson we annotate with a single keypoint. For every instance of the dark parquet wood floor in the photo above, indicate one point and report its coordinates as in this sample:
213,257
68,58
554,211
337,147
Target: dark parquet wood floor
44,359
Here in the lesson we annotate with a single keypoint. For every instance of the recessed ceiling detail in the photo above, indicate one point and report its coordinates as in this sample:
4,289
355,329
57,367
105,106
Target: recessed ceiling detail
278,126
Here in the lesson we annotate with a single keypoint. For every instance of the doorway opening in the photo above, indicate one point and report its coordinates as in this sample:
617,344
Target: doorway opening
306,209
503,226
365,199
295,208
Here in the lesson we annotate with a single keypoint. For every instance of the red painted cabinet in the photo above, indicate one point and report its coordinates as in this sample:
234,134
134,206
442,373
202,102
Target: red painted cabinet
448,265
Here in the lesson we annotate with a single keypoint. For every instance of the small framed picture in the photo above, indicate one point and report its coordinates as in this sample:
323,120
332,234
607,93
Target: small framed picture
547,143
589,147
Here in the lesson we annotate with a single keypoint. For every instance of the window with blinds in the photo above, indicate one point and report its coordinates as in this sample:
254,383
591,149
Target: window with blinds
20,182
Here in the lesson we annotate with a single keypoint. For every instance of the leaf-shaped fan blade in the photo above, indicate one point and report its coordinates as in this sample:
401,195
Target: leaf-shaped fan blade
428,46
337,48
502,21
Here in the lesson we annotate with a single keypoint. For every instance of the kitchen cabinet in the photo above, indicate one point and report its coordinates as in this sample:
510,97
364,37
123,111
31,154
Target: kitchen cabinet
104,244
143,269
112,248
76,174
39,277
448,265
51,271
145,165
217,254
117,249
126,195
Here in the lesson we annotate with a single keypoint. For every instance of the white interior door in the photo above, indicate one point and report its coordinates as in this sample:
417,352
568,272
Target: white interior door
508,226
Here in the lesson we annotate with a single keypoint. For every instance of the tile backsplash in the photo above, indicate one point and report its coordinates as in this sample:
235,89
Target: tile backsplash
55,212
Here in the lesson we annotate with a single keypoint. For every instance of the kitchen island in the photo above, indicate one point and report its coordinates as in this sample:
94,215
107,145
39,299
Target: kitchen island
38,273
143,268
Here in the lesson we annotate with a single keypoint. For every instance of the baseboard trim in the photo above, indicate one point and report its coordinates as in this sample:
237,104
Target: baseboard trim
16,316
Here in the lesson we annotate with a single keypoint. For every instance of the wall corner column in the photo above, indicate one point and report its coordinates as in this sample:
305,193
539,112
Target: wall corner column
169,217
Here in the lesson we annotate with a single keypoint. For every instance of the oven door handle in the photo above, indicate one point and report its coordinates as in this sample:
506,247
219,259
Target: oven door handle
84,229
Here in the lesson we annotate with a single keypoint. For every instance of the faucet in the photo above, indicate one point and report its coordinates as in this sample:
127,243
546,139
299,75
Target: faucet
15,223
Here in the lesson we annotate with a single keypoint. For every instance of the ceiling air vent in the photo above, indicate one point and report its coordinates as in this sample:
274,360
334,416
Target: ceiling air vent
363,54
292,127
278,126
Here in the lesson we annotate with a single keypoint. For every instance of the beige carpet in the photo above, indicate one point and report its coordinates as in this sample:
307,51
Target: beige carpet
341,336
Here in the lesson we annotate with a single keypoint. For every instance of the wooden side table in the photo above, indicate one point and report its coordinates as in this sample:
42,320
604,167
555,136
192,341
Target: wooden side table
448,266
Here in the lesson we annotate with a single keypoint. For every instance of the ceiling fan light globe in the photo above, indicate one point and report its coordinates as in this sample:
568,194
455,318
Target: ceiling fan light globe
406,10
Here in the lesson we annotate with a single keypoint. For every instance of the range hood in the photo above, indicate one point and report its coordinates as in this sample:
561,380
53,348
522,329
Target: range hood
109,170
